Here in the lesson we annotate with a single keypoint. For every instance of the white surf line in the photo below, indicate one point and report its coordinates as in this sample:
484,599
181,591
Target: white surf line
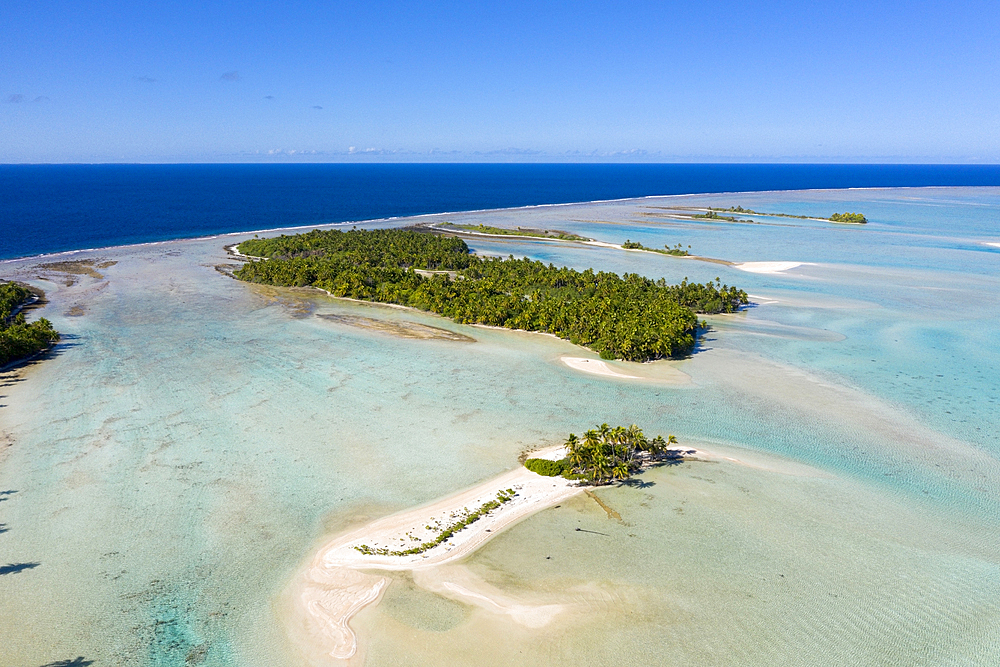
763,300
995,245
232,250
595,366
770,267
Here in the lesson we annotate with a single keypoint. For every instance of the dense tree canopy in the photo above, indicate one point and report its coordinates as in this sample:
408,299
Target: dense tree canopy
855,218
626,317
18,338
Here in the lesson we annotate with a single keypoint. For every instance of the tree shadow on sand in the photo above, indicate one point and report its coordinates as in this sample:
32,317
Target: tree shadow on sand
14,568
75,662
636,483
65,343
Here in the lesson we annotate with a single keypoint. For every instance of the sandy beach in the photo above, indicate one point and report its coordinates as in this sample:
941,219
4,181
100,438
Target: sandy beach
336,585
595,366
769,267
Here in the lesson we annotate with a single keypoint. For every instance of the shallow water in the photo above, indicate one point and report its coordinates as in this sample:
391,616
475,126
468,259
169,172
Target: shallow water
195,439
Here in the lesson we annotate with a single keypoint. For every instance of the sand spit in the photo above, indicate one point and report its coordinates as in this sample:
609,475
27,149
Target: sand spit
769,267
334,587
603,244
595,366
660,372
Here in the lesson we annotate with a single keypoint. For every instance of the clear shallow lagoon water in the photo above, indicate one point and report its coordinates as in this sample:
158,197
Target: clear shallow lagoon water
195,439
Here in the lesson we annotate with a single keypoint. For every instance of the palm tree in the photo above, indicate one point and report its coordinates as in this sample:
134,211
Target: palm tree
604,429
636,437
599,467
577,454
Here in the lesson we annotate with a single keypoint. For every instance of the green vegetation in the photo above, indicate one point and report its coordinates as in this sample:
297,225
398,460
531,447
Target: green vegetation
399,248
712,215
624,317
465,518
676,251
520,231
19,339
606,454
853,218
547,468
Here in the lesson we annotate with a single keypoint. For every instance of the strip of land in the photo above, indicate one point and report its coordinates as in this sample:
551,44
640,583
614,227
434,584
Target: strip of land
334,587
488,230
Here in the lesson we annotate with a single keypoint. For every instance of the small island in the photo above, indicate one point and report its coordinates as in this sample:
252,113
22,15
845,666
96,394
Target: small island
504,231
20,339
849,218
676,251
343,577
626,317
604,455
712,215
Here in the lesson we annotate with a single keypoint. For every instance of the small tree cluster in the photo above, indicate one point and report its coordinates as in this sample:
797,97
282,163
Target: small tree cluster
605,453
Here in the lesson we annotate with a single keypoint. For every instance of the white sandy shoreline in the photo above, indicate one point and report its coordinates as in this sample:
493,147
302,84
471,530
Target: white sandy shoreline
339,581
770,267
335,586
595,366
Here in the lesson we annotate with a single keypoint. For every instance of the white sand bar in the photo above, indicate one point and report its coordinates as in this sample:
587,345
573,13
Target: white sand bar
603,244
328,592
769,267
595,366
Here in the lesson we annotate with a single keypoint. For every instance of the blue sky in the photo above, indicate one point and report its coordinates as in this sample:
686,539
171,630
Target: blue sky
486,81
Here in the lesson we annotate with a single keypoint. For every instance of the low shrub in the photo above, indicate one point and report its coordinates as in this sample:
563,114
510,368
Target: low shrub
545,467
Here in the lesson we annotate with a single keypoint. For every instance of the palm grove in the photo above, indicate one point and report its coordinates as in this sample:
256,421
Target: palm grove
606,454
621,317
18,338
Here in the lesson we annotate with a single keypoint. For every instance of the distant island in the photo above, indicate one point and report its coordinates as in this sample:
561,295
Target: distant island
712,215
849,218
20,339
520,231
852,218
607,454
676,251
621,317
718,214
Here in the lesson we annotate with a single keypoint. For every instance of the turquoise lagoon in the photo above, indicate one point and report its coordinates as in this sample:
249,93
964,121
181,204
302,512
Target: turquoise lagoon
195,439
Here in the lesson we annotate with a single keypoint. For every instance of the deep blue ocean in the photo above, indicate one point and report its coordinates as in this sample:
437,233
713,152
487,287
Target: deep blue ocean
52,208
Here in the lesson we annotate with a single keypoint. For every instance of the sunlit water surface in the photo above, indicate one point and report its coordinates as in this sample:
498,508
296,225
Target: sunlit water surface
194,439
